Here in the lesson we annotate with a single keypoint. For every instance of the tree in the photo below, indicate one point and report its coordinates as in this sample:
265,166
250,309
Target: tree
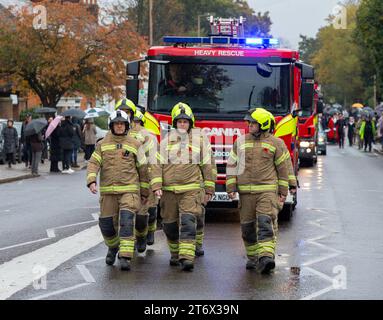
180,17
73,54
308,47
369,34
338,61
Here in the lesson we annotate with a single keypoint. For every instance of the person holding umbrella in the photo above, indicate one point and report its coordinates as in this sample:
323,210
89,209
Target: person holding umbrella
54,143
66,132
33,131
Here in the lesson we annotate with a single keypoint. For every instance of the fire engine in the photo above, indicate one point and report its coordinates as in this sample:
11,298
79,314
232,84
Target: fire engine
222,76
308,128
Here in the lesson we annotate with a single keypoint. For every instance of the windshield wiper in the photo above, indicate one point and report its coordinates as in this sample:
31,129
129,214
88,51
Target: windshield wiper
251,95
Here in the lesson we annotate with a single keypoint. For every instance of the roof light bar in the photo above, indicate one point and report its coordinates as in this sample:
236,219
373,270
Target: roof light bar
264,42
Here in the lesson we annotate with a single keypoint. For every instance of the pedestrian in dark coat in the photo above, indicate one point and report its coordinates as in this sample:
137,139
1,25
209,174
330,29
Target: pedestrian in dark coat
27,151
55,150
37,145
76,142
11,142
66,132
340,125
351,130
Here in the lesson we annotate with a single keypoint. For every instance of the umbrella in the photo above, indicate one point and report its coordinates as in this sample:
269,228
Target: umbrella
45,110
52,126
76,113
35,126
379,109
95,113
368,111
357,105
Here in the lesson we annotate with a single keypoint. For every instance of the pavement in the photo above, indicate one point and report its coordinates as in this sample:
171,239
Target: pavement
20,172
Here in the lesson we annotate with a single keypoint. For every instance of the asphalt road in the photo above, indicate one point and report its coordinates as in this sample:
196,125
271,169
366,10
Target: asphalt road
331,249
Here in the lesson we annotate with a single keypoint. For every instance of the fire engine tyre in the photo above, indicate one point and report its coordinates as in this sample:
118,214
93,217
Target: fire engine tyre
286,213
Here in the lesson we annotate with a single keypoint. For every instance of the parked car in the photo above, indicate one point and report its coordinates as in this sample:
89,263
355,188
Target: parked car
101,133
322,140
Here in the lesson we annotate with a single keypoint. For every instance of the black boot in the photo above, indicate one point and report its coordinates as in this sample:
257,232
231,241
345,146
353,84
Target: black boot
187,265
199,251
150,238
141,244
265,265
251,264
124,264
111,256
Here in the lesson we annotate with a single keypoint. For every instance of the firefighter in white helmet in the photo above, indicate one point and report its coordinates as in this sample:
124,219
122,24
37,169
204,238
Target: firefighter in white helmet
122,184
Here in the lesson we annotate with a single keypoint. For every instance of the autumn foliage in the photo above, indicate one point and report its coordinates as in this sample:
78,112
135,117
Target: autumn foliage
74,53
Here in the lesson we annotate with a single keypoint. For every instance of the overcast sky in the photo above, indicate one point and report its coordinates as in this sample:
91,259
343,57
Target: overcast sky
293,17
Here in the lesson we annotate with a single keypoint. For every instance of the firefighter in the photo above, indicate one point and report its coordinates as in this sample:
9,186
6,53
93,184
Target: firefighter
200,233
257,170
122,168
185,159
128,106
146,222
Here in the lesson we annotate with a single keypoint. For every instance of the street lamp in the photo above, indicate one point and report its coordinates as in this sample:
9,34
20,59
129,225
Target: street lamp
199,21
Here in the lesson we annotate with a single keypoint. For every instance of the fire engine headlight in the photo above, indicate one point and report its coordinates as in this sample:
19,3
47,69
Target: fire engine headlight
304,144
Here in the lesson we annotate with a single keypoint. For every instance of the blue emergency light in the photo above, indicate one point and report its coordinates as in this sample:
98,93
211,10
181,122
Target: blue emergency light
256,42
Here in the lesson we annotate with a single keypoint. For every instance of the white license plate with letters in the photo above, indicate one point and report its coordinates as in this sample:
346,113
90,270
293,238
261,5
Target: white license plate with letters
222,197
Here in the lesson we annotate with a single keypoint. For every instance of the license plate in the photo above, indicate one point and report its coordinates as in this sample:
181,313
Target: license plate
222,197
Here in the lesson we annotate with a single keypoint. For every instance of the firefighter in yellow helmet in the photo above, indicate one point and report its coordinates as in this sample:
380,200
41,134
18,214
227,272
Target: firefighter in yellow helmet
123,187
128,106
146,221
256,169
185,157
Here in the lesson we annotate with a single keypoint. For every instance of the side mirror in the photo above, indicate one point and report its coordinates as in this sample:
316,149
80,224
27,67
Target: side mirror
307,71
132,82
264,70
307,95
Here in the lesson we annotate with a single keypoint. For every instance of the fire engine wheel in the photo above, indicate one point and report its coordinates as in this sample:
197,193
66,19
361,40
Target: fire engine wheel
286,213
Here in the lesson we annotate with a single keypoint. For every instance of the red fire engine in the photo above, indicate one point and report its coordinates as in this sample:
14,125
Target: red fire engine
221,77
308,128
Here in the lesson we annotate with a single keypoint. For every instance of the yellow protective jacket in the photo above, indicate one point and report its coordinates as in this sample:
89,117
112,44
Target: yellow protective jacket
185,163
291,174
258,164
122,165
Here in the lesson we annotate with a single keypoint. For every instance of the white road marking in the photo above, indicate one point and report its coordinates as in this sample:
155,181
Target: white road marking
23,244
61,291
93,260
85,273
319,274
17,274
50,232
318,293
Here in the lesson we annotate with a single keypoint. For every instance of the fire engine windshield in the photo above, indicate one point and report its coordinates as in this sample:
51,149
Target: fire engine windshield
227,90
